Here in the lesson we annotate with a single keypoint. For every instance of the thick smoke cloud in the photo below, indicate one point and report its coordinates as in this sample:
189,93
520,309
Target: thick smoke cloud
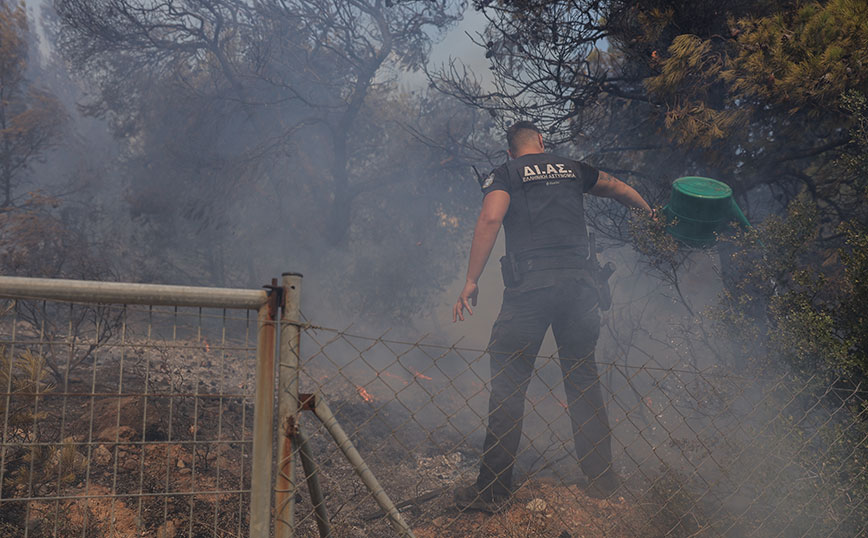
257,139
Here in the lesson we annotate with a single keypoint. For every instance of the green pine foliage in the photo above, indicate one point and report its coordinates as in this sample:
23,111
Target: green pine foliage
687,79
768,70
813,296
803,59
774,95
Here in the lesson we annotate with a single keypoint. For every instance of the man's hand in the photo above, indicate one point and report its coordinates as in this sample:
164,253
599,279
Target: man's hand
465,299
652,213
494,207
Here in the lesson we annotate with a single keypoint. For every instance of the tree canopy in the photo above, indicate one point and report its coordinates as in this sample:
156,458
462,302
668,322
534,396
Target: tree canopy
765,96
276,135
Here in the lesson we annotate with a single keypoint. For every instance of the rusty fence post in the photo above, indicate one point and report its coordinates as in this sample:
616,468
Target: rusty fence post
263,419
288,406
324,413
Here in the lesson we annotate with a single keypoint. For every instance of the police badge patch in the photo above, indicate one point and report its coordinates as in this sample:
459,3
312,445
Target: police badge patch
488,181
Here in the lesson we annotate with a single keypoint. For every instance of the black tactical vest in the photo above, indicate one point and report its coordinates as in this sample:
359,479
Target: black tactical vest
546,209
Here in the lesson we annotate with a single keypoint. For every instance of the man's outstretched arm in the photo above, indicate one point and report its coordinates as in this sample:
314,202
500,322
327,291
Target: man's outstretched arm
609,186
494,207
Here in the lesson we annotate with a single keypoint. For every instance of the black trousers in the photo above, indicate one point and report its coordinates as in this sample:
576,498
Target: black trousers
570,308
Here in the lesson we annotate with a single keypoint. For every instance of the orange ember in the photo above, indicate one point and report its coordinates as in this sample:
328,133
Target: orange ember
393,376
207,347
365,394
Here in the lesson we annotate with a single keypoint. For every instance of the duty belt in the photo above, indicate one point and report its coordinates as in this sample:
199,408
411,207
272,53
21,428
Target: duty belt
513,268
541,263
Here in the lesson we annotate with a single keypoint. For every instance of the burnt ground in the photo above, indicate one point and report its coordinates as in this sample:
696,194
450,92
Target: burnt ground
422,485
160,450
151,436
172,463
420,461
540,509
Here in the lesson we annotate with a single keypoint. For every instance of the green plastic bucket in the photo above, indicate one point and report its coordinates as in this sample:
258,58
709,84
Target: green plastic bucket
701,206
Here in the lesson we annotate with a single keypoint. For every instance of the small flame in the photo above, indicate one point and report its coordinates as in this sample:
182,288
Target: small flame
365,394
393,376
422,376
207,347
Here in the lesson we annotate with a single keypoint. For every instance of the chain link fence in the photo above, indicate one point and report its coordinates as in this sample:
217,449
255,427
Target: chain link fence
699,452
125,419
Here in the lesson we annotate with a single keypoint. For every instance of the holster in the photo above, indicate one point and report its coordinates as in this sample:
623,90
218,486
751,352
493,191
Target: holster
510,271
601,275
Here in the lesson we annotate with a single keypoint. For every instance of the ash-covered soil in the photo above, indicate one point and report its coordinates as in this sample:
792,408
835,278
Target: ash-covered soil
164,450
540,509
148,439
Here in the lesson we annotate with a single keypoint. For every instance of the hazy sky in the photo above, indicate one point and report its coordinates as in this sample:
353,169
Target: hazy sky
457,43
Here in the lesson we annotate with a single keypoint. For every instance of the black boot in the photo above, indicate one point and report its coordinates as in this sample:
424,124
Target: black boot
470,498
604,485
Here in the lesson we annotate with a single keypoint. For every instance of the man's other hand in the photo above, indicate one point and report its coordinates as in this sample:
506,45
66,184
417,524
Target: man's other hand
465,300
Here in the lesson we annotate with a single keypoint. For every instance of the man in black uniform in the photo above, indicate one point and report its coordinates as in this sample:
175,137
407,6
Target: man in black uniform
538,197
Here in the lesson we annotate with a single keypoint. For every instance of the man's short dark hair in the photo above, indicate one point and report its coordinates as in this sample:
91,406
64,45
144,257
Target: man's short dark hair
520,133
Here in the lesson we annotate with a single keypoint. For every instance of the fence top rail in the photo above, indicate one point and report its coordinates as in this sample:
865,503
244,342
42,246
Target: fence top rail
88,291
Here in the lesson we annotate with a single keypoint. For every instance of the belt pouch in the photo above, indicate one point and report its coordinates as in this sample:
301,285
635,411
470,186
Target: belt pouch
509,270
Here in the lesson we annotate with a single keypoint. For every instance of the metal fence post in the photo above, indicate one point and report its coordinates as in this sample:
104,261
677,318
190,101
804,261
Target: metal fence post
290,335
263,420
